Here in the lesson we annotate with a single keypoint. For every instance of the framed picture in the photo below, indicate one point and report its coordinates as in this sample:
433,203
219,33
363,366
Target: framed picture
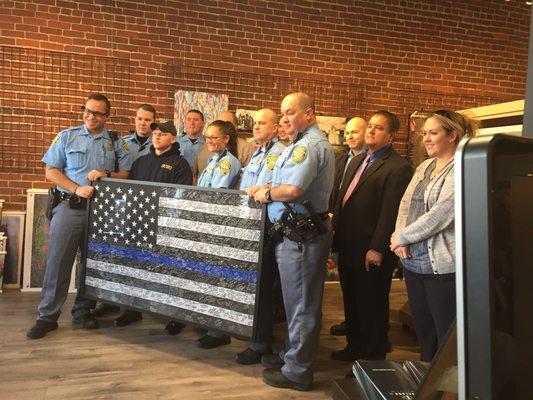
14,223
36,243
245,119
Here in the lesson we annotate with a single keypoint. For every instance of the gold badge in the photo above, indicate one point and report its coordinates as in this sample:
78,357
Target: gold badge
56,139
271,162
166,166
224,167
299,154
110,147
125,146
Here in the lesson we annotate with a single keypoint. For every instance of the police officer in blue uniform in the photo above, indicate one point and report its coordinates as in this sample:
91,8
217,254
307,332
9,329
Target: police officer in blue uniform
192,139
303,172
139,142
76,157
223,168
222,171
259,171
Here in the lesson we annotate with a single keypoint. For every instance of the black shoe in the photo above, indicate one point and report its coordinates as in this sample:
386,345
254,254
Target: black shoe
40,329
346,354
172,328
87,321
102,309
274,377
211,342
127,317
199,330
249,357
272,361
339,329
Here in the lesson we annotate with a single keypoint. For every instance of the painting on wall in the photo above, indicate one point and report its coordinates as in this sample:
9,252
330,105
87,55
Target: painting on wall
245,119
36,241
13,222
210,104
333,126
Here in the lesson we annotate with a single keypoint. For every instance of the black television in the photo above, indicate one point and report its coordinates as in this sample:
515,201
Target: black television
494,244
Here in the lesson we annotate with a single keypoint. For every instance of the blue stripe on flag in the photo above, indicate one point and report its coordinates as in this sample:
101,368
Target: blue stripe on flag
174,262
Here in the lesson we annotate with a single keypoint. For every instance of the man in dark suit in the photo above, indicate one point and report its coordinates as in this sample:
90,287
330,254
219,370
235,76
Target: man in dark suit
365,215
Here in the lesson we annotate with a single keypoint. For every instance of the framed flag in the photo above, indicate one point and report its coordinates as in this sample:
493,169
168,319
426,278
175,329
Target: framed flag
186,253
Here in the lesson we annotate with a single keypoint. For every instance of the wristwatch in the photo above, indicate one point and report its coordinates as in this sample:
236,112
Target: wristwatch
268,196
108,173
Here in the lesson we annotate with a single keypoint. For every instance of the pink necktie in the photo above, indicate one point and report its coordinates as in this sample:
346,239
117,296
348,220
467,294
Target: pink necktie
355,179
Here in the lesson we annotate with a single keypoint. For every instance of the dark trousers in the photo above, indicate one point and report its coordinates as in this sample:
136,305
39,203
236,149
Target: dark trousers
366,305
432,303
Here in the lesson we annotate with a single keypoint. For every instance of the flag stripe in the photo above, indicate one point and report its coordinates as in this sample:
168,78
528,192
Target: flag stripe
233,221
171,312
209,196
172,291
237,244
174,301
207,248
202,288
212,229
173,262
215,209
180,273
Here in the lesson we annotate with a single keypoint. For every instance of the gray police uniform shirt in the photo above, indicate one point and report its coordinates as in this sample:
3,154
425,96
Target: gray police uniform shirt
137,149
308,163
260,169
76,152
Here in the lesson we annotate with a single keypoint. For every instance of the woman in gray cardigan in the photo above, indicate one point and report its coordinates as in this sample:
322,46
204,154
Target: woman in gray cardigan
424,238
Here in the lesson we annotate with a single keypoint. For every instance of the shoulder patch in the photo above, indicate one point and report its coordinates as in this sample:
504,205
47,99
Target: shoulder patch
271,162
299,154
56,139
224,167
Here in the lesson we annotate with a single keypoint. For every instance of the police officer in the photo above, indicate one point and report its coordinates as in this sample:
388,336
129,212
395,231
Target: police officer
192,139
304,171
223,168
259,171
76,157
139,141
222,171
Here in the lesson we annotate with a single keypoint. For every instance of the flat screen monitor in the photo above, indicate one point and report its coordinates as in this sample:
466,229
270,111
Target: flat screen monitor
494,244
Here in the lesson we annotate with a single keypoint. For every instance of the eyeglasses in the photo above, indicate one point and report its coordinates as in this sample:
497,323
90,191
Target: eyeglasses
96,114
213,138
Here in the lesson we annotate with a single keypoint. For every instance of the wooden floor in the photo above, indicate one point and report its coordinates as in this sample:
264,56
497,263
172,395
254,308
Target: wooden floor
140,362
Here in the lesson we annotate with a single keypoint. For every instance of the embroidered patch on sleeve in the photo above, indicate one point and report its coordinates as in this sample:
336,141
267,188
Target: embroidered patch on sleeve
224,167
299,154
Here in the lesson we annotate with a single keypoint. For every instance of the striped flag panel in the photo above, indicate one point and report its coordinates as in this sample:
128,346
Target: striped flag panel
182,252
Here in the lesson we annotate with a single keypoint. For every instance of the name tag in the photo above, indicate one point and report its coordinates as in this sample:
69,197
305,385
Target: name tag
166,166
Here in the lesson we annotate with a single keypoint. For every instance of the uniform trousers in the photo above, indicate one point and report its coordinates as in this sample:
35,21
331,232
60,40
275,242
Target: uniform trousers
66,235
432,303
302,274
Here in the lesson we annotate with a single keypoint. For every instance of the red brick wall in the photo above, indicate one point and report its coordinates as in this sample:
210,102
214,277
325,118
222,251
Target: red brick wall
400,55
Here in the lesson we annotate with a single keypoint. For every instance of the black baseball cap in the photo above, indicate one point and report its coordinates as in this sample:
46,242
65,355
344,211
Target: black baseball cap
166,126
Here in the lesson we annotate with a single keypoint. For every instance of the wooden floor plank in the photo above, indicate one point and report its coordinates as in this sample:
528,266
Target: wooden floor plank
141,362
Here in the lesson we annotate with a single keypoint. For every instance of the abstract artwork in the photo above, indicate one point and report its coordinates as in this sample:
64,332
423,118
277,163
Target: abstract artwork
210,104
13,221
36,241
188,254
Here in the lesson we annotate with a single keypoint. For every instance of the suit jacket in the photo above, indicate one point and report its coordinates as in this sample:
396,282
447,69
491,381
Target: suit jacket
367,220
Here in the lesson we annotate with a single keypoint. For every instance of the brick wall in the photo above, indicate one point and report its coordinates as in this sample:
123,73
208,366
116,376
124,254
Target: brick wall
398,54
